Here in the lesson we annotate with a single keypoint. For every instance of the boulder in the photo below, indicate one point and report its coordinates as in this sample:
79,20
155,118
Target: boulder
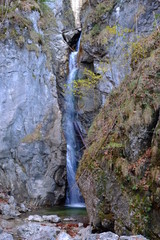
35,218
6,236
37,231
104,236
69,219
64,236
51,218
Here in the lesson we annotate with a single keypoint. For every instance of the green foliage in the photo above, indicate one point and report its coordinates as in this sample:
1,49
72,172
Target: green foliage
114,145
103,8
140,206
143,48
95,30
41,1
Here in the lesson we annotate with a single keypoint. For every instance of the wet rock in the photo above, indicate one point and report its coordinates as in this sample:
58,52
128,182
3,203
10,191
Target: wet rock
51,218
35,218
69,219
48,218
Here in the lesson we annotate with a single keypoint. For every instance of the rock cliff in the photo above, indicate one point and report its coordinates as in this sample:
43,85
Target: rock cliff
109,31
119,171
33,58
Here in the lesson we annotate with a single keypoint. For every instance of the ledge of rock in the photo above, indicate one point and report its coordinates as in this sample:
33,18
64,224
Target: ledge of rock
72,36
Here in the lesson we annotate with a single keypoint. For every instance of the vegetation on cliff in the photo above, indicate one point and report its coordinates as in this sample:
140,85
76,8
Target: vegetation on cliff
123,143
16,24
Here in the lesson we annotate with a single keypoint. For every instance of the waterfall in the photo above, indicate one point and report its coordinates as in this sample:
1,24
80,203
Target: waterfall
74,197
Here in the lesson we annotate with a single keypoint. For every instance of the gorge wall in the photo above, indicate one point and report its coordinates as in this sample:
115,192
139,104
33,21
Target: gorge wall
33,59
119,171
109,31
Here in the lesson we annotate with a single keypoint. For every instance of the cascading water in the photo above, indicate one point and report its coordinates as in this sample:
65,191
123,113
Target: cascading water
74,197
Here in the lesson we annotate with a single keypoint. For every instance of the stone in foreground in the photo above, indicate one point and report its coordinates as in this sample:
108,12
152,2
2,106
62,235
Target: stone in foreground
6,236
137,237
64,236
37,231
104,236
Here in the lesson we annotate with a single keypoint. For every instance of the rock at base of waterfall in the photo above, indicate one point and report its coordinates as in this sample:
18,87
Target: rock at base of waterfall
69,219
52,218
35,218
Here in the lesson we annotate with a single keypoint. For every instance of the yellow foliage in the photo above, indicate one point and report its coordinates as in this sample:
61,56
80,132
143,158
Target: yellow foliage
78,86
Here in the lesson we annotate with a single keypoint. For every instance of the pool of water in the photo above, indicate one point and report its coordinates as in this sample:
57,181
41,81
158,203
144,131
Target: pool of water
78,213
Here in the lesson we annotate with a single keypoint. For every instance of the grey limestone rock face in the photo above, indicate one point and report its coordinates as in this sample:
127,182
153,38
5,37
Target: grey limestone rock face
32,145
110,54
63,12
31,134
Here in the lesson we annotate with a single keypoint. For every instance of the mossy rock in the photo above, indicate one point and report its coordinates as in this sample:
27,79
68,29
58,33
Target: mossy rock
128,124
